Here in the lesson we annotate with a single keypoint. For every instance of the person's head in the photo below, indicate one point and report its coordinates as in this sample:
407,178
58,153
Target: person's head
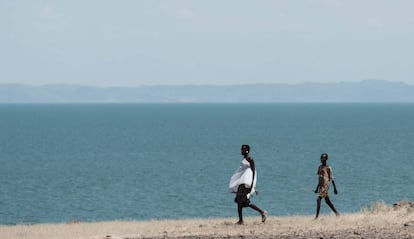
245,149
324,157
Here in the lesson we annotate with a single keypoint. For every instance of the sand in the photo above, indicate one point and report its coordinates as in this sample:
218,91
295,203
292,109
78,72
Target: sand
377,221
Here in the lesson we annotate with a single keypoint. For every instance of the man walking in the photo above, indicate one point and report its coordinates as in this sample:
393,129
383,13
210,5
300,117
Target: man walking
243,183
325,175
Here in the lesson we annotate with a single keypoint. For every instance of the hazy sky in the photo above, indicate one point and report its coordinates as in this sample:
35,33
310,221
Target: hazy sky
151,42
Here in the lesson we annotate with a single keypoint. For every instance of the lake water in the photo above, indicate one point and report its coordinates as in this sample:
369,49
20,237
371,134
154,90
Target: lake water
99,162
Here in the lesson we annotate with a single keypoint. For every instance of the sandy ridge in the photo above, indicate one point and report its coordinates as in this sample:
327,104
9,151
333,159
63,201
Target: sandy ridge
379,221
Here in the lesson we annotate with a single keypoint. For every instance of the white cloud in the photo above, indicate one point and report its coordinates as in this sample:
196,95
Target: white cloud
164,6
47,11
186,13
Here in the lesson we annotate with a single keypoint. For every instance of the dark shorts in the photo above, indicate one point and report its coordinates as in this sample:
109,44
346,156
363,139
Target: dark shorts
241,196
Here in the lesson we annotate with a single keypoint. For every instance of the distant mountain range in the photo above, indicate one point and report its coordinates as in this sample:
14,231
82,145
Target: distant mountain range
363,91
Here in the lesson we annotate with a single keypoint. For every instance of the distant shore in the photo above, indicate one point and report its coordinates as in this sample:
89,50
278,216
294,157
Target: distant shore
378,221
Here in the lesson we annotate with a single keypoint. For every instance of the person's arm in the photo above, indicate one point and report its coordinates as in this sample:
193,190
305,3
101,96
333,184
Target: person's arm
253,168
332,179
333,183
317,186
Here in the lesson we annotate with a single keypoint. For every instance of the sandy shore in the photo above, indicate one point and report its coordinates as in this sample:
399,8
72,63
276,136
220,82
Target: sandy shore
378,221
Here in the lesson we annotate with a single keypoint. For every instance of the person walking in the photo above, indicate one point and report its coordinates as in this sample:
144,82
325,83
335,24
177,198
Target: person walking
243,183
325,176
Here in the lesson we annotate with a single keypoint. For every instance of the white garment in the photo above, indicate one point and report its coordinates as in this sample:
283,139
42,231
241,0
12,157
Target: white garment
243,175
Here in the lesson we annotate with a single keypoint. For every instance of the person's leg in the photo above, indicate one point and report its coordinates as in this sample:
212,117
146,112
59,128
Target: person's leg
328,201
240,211
318,206
241,200
256,208
262,212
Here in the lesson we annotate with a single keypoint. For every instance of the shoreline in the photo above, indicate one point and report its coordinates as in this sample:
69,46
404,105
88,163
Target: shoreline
380,221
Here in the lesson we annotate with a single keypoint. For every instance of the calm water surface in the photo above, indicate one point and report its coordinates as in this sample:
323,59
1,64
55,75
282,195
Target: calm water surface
95,162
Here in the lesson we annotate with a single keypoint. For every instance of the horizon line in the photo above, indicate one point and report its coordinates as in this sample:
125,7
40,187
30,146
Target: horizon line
206,84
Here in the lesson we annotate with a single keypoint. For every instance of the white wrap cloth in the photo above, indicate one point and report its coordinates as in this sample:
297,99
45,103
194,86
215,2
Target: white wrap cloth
243,175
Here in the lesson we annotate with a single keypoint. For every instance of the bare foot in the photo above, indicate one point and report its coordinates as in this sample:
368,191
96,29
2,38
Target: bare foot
264,216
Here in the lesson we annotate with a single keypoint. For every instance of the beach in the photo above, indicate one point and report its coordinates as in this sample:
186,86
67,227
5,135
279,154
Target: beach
377,221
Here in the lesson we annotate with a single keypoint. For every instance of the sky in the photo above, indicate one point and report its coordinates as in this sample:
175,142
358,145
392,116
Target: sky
214,42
